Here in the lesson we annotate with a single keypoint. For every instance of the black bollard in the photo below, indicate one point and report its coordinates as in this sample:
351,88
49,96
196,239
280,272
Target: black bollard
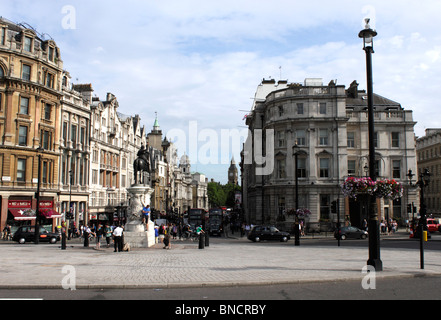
63,241
207,239
201,241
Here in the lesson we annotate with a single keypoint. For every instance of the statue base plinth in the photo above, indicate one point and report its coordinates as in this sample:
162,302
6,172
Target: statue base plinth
137,236
136,233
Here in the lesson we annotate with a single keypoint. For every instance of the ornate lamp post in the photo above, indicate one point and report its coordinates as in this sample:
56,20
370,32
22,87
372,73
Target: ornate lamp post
374,234
422,224
296,223
37,196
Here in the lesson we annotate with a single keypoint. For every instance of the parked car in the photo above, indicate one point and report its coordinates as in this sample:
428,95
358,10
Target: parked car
27,234
259,233
433,225
350,232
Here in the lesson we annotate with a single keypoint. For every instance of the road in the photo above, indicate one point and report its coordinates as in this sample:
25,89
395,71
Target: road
408,288
416,288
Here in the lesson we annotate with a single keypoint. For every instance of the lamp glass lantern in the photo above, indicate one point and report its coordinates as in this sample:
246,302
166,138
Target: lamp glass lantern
368,35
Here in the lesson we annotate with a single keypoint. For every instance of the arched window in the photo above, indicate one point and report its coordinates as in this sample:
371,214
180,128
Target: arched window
2,73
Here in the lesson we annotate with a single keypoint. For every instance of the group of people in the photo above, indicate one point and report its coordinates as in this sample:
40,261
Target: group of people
100,232
388,227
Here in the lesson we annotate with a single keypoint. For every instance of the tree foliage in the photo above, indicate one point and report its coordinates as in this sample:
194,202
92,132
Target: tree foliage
221,195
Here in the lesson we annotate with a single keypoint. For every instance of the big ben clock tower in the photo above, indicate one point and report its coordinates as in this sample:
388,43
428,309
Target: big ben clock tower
232,172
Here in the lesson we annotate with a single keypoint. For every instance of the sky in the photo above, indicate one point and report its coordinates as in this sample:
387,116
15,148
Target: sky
197,63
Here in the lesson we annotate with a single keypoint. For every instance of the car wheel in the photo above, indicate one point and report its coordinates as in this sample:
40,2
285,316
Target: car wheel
21,240
284,239
343,237
53,240
363,236
256,239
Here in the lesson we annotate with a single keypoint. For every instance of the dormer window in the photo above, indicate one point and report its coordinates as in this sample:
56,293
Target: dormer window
27,45
51,54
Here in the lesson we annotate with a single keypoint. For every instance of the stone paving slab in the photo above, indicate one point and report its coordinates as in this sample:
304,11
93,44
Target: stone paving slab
221,264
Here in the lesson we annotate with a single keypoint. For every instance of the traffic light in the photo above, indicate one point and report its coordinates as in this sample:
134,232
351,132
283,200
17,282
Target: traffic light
409,208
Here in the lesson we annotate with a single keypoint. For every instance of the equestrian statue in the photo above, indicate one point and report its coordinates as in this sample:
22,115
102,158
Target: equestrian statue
141,165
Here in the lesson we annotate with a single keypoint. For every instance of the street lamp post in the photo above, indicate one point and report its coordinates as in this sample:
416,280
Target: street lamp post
296,223
37,196
422,224
374,235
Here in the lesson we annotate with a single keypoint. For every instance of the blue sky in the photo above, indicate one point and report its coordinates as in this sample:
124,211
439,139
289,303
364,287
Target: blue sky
202,60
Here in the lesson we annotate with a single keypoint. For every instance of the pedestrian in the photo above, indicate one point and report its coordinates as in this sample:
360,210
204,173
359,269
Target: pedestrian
117,239
145,214
156,234
364,225
108,234
86,233
7,232
167,238
161,233
99,234
174,231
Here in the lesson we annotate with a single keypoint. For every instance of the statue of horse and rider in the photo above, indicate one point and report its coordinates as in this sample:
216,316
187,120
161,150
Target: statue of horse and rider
141,165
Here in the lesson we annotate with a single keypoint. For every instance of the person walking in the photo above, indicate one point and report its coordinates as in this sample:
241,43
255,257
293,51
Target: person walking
108,234
99,234
117,238
86,233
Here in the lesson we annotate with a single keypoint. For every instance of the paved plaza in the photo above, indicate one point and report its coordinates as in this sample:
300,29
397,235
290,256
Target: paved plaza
225,262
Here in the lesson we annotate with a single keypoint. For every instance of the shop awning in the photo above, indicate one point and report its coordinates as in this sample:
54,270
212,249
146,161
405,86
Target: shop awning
19,214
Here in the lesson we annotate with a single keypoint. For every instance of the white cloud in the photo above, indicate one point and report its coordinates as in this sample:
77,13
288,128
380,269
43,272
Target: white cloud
202,60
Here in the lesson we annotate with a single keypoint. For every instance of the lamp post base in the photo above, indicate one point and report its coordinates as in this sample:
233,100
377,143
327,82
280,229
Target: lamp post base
374,245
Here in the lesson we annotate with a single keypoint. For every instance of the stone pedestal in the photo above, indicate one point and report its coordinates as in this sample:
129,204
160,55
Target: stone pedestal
136,233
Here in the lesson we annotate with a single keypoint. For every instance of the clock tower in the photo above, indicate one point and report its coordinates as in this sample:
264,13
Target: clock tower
232,172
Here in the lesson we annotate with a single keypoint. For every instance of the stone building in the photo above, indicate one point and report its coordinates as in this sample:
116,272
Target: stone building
74,149
30,94
326,127
429,157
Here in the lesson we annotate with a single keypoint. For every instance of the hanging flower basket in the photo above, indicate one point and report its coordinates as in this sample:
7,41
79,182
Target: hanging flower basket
46,213
387,189
299,213
28,213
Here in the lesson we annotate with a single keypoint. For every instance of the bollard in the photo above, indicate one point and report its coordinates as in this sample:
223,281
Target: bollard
207,239
63,241
201,241
425,236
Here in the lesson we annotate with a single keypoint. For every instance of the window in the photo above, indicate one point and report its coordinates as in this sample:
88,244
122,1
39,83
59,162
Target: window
301,137
24,105
94,176
65,131
21,170
2,72
351,167
2,36
281,168
73,135
323,137
322,108
23,136
26,72
324,206
44,172
376,140
280,111
27,44
46,139
301,167
82,135
300,108
49,80
351,139
396,169
47,111
324,168
51,54
281,139
395,139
